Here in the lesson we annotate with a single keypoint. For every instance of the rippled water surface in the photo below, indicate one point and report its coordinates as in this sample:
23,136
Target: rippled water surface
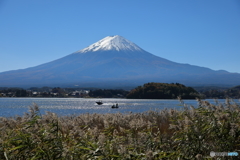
67,106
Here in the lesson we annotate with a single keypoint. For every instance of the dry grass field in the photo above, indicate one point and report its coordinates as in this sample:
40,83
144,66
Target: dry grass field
190,133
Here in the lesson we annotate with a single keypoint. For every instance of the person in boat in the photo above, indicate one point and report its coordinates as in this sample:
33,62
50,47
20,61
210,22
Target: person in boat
115,106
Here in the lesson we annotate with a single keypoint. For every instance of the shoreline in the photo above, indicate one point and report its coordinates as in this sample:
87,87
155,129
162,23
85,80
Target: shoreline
152,135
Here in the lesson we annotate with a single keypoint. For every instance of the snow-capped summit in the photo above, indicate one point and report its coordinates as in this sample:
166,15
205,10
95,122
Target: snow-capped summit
117,43
114,62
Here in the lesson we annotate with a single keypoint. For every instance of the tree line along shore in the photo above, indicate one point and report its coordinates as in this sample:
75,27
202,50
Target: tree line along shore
189,133
147,91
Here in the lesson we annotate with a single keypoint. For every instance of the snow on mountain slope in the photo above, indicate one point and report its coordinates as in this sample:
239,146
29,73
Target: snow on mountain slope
117,43
114,60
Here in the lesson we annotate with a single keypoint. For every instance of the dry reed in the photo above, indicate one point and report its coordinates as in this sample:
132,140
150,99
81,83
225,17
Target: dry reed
167,134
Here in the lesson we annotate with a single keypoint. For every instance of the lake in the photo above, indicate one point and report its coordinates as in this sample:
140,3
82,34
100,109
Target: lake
67,106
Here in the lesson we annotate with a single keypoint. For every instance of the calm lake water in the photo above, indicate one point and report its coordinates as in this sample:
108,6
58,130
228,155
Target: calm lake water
67,106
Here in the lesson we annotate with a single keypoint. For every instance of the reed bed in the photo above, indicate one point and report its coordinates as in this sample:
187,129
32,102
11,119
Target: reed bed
190,133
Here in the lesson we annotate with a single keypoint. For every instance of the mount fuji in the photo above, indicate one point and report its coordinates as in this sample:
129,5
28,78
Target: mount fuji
114,62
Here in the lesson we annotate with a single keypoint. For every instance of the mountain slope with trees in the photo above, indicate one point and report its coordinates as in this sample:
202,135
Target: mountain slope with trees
163,91
222,93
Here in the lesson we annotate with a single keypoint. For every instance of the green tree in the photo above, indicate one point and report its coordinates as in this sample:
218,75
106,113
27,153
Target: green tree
163,91
21,93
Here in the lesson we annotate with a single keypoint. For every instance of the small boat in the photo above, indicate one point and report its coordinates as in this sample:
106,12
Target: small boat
115,106
99,102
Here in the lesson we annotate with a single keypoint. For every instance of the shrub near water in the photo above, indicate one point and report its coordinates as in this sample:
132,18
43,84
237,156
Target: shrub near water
167,134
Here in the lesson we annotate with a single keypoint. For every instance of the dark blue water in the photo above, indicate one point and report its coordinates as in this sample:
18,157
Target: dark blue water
67,106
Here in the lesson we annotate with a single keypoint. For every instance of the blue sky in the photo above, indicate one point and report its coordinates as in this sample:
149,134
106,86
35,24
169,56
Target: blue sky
199,32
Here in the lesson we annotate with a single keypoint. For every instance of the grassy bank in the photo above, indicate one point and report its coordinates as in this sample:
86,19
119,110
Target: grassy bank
167,134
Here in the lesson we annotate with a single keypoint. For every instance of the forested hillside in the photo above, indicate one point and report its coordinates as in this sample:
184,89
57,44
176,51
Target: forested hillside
233,92
163,91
